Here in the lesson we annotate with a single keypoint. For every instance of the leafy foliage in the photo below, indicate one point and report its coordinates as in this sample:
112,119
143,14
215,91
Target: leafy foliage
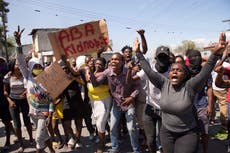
3,6
186,45
10,44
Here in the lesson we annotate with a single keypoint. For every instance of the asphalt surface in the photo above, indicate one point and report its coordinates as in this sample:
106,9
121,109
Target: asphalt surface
215,145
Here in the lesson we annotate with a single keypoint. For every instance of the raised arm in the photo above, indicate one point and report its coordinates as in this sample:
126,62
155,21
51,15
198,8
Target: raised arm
220,82
156,78
210,99
20,56
100,79
141,32
199,80
131,73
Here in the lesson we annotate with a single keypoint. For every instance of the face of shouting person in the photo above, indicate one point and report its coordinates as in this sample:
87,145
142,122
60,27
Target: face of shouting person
127,54
177,74
117,62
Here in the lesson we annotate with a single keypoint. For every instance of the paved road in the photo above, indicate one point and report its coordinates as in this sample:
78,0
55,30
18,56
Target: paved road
215,146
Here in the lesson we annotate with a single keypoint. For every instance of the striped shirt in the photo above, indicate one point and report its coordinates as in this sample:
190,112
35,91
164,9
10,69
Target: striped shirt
16,87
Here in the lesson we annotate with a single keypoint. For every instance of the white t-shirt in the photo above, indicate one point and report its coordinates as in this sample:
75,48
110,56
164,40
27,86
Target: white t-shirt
214,75
153,93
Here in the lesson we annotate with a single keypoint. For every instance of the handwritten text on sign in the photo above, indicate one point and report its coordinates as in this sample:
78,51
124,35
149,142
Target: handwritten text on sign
80,39
54,80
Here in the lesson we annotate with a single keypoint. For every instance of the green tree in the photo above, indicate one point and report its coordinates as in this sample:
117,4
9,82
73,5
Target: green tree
3,7
3,38
186,45
10,44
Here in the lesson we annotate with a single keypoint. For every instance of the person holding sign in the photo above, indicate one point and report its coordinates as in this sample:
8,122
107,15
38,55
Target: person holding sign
41,106
179,131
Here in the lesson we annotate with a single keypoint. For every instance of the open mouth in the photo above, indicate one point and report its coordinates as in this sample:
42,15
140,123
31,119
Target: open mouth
174,78
128,58
113,65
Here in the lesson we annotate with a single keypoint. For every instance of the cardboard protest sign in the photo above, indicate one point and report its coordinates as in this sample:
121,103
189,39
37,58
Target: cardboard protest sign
54,79
80,39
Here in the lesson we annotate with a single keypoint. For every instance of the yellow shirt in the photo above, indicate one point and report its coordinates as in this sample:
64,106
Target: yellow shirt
58,111
98,93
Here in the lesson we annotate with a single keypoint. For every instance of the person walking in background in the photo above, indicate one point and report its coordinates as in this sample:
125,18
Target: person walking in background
15,92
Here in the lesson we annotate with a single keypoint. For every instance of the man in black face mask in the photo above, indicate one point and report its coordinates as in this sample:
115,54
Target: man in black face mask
203,106
152,112
162,59
195,61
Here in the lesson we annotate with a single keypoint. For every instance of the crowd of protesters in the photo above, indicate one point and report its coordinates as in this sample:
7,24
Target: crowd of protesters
164,105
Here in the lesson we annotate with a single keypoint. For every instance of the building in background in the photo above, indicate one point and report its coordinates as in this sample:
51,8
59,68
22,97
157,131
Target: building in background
41,44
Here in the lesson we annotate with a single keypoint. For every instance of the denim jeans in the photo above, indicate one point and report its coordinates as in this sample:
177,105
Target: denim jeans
131,125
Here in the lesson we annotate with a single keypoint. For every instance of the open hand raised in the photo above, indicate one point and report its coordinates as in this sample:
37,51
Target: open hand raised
219,49
136,45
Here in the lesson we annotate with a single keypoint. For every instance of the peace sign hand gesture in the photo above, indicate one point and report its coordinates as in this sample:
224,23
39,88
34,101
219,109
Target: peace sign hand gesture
17,36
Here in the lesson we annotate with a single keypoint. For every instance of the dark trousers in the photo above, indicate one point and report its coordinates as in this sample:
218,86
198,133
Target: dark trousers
87,118
152,122
184,142
21,106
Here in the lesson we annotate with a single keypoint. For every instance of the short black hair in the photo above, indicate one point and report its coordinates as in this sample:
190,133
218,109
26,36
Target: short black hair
126,47
122,57
101,59
181,57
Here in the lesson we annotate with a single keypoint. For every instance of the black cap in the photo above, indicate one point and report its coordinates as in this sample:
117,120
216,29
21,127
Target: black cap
162,50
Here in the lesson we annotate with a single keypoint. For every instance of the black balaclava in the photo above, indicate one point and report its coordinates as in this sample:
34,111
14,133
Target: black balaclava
195,60
162,63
